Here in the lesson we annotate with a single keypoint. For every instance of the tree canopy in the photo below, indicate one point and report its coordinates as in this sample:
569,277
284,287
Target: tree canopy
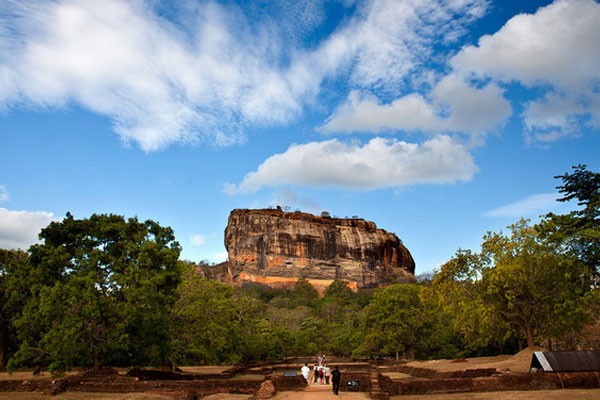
102,290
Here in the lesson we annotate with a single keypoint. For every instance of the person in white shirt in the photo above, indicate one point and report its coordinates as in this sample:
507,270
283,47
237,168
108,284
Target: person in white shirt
305,371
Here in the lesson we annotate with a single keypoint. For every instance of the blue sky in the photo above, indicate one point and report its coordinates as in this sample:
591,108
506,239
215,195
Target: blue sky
437,119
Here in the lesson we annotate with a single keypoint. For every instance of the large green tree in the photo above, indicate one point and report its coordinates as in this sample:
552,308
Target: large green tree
14,291
462,315
578,232
205,322
532,285
394,321
102,291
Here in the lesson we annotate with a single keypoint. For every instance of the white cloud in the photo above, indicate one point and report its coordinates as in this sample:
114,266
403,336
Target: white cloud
4,196
213,71
197,240
533,205
556,47
219,257
376,164
286,197
20,229
456,107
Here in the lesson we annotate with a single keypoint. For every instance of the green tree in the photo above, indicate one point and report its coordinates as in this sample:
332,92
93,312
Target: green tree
394,321
456,291
205,321
578,232
532,286
13,294
304,294
339,292
102,291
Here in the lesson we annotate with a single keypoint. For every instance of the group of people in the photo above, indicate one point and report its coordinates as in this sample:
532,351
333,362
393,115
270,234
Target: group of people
321,373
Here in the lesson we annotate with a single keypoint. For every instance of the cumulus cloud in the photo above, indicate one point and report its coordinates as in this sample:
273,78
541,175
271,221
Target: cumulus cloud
376,164
197,240
532,205
20,229
554,50
557,47
455,107
4,196
205,74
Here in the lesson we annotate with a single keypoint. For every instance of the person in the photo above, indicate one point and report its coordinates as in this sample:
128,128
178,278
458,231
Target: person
305,371
321,375
316,372
327,374
335,379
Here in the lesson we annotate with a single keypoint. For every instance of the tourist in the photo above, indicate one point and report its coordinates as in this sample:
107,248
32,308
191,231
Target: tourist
321,375
335,379
305,371
327,374
316,372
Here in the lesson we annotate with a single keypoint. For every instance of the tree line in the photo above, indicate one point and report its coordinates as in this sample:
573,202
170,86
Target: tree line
113,291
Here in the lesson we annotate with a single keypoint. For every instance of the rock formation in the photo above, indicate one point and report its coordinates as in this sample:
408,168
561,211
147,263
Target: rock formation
275,248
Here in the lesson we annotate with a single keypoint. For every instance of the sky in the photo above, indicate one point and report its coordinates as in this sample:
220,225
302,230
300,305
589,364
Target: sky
439,120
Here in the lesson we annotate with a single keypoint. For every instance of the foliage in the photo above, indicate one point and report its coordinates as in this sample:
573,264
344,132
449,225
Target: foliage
102,289
394,321
13,294
204,321
532,286
578,233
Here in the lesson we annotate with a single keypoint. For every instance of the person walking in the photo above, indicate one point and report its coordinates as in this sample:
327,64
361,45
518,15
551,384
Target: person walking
327,374
335,379
316,372
305,371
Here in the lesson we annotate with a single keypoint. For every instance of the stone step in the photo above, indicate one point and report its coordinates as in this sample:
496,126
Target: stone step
317,389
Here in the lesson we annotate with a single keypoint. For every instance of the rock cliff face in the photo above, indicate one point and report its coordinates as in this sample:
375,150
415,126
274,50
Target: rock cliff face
276,248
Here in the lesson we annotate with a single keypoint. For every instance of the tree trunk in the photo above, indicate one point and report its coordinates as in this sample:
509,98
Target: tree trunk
3,344
397,355
412,353
529,331
96,361
549,344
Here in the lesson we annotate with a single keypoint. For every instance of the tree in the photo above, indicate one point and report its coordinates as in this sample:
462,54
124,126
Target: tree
339,292
531,285
577,233
394,321
205,321
304,294
102,291
462,316
13,293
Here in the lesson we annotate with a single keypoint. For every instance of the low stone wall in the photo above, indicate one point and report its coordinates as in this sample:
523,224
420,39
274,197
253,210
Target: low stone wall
529,381
433,374
288,383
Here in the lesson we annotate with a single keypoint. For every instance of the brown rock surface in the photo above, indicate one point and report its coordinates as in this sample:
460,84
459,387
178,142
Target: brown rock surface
275,248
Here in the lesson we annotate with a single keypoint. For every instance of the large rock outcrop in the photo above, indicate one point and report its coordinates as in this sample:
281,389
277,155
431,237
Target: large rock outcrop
273,247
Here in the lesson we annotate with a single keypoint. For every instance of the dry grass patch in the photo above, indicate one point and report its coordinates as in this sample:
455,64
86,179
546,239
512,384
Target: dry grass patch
206,369
28,375
248,377
520,362
396,375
